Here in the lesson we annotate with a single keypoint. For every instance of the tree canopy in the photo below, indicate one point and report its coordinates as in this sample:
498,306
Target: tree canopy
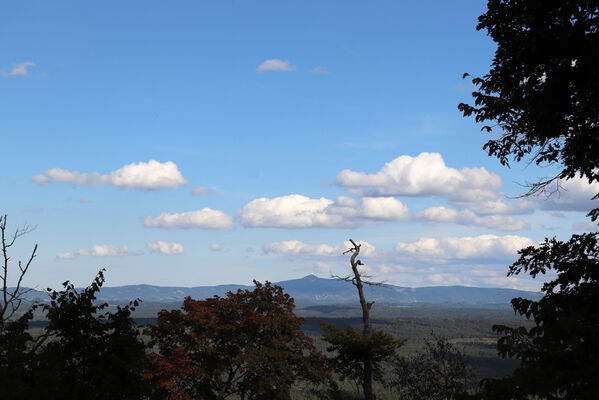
560,354
541,95
84,352
247,345
541,99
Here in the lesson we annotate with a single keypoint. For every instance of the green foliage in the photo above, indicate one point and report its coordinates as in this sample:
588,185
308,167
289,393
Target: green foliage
82,353
246,345
351,351
560,354
437,372
542,89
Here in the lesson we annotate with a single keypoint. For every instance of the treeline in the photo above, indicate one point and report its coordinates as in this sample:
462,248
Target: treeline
246,345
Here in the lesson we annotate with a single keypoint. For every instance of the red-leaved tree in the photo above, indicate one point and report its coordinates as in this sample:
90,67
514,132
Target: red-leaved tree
247,345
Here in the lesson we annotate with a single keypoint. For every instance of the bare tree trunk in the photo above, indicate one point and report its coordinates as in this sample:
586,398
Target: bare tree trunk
367,331
11,298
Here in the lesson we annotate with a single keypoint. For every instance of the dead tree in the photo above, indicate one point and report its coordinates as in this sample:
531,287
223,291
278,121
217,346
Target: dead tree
11,297
357,279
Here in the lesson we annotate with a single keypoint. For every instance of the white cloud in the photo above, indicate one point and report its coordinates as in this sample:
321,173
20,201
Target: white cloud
40,179
218,247
298,248
292,211
275,65
385,208
73,177
66,256
499,205
205,218
201,191
18,69
467,217
151,175
477,247
168,248
297,211
105,250
573,195
423,175
320,70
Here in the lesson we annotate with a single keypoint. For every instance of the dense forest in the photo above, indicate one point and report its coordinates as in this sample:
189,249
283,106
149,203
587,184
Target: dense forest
540,102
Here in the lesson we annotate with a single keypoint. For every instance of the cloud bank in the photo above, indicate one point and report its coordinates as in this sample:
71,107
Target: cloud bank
476,247
297,211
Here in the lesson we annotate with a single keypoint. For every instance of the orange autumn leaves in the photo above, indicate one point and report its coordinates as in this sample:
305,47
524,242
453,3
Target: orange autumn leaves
248,344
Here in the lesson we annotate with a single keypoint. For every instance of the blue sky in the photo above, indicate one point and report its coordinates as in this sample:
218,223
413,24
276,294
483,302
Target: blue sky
199,143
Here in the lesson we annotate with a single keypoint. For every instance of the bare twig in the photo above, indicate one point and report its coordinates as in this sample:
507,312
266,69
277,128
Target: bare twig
11,298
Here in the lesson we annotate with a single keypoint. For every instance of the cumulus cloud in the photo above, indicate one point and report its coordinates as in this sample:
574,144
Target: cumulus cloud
218,247
105,250
275,65
205,218
442,214
476,247
202,191
18,69
66,256
297,211
298,248
425,174
151,175
168,248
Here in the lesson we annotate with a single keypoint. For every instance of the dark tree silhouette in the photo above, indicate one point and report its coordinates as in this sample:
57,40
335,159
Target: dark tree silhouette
83,353
560,354
541,93
247,345
542,96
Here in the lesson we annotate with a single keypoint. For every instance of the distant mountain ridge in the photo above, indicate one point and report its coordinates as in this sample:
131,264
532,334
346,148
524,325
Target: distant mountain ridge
312,290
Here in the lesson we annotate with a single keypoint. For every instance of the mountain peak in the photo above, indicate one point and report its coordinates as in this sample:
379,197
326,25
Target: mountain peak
310,277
